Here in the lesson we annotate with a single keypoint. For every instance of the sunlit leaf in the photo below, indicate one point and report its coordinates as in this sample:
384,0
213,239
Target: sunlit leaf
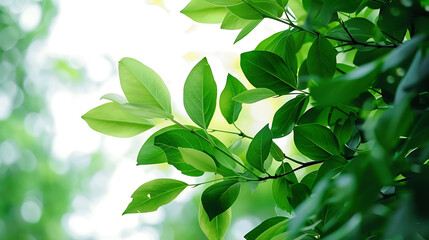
254,95
153,194
203,12
111,119
216,228
229,108
198,159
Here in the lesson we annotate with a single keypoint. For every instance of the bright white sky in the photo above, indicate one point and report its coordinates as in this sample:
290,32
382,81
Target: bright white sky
96,34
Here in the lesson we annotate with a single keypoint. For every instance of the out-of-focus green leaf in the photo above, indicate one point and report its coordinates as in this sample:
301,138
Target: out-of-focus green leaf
114,98
153,194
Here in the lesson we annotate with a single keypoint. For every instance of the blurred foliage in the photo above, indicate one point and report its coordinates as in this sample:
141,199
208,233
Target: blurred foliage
35,189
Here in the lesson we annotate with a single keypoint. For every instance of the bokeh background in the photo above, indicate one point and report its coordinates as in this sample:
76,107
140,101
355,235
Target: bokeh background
61,180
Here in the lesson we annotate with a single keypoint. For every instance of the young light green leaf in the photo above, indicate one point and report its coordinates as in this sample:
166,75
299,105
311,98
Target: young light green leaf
286,117
267,8
230,109
224,2
220,196
321,60
254,95
247,29
245,11
281,187
111,119
259,148
146,111
114,98
216,228
273,226
232,22
153,194
315,141
268,70
198,159
203,12
199,94
143,85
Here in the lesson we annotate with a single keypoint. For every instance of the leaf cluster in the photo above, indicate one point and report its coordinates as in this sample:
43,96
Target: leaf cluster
358,75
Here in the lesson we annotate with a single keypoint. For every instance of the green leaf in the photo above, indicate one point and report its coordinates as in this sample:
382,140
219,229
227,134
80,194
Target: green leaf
111,119
224,2
203,12
330,167
198,159
146,111
276,152
142,85
259,148
361,30
199,94
281,187
244,11
343,89
282,44
315,141
254,95
230,109
153,194
267,8
217,198
114,98
317,114
216,228
232,22
285,118
267,70
268,229
171,140
343,132
246,30
151,154
321,60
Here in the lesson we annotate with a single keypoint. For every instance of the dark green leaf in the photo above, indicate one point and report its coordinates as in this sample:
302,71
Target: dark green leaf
361,30
281,187
229,108
153,194
317,114
142,85
330,167
259,149
254,95
267,70
216,228
276,152
321,60
315,141
111,119
217,198
285,118
199,94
